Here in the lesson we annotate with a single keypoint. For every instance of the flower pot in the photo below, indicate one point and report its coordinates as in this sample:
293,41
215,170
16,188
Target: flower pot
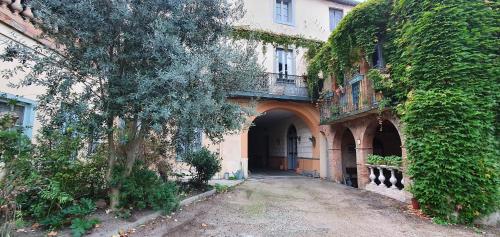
414,204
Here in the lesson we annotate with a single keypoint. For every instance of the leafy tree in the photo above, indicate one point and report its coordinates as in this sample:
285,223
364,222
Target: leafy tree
128,70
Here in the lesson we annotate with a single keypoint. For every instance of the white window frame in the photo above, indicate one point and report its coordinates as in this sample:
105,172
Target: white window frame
330,10
29,111
291,12
292,70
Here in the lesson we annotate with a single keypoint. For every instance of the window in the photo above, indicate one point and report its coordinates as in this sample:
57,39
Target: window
335,17
188,144
284,11
22,108
285,65
377,58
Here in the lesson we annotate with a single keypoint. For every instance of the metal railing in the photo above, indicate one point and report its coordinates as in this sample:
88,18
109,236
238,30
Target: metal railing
355,96
280,85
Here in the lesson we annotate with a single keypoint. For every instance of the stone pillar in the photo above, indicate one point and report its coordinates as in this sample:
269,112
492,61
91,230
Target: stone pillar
363,174
323,156
336,167
244,153
406,179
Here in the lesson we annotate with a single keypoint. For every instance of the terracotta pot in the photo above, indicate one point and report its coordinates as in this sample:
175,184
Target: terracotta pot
414,204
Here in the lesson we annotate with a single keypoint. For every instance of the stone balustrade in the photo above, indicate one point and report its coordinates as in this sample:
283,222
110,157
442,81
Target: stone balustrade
19,7
388,181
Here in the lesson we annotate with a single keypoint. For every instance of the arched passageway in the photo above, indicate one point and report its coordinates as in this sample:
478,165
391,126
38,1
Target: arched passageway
349,168
387,142
280,140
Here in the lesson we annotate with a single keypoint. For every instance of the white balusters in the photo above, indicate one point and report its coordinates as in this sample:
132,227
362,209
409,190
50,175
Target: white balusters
16,6
27,13
393,179
381,176
372,175
390,190
5,3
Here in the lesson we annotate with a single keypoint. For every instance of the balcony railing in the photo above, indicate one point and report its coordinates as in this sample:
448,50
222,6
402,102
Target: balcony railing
354,97
388,181
278,86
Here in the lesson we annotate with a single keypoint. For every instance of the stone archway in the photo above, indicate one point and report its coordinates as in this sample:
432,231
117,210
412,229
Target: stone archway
382,136
307,113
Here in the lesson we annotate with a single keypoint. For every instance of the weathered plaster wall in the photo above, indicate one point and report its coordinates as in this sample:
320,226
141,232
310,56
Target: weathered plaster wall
9,36
311,21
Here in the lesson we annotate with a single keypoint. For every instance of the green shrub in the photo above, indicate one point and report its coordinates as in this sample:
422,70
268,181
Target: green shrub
80,226
62,217
145,189
221,188
206,163
384,160
47,182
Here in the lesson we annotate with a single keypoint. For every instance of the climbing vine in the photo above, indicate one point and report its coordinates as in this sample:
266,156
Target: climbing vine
441,70
312,47
354,38
278,39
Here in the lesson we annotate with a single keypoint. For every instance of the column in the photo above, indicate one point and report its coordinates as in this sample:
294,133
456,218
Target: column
361,154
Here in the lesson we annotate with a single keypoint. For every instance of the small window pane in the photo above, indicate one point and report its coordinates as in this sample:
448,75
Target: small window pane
283,11
335,18
284,62
18,110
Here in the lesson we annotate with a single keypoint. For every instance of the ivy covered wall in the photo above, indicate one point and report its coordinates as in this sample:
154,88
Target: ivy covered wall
442,76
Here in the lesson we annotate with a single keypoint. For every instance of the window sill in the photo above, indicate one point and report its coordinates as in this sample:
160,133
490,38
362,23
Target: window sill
285,23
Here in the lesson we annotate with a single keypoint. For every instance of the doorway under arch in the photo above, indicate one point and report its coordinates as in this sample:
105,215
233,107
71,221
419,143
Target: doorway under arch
280,140
349,167
291,149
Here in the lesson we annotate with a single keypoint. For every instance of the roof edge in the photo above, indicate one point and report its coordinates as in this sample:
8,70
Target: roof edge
346,2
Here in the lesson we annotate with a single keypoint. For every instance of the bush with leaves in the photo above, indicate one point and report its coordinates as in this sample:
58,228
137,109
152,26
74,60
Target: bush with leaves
206,164
48,182
80,226
143,188
384,160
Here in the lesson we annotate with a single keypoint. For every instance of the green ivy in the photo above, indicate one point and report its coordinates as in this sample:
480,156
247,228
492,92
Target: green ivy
312,47
355,37
278,39
442,73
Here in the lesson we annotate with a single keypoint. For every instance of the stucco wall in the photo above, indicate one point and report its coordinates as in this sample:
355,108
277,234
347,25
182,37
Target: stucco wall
9,36
311,21
311,17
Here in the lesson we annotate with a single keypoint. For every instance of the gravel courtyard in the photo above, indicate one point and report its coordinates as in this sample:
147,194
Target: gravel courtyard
298,206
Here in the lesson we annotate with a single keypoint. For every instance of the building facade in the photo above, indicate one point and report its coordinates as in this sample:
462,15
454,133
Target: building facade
330,138
285,133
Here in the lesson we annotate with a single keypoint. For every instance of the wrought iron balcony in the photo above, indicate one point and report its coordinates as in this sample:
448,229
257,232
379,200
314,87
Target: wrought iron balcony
277,86
355,97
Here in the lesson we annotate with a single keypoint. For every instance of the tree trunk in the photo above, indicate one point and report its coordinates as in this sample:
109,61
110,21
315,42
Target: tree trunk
130,151
114,192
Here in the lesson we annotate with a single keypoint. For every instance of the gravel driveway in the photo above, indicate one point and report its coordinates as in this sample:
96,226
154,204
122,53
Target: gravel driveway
298,206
